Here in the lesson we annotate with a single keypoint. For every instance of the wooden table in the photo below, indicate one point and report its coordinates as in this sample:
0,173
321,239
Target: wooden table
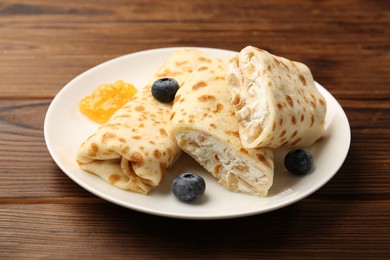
44,44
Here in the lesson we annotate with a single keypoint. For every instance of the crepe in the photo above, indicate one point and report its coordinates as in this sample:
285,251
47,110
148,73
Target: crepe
204,126
275,99
134,150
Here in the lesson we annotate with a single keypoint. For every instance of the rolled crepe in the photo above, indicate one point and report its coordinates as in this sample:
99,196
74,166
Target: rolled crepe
204,126
275,99
134,150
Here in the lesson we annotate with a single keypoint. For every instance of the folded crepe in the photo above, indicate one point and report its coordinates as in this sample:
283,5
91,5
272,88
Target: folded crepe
275,99
134,150
204,126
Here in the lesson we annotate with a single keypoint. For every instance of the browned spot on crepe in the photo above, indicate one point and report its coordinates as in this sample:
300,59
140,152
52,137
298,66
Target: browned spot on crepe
289,101
240,168
257,131
262,158
233,133
251,68
93,150
180,63
294,134
312,120
114,178
107,137
302,79
172,115
285,66
163,132
139,108
157,154
202,68
243,150
207,98
296,141
236,100
177,97
314,104
137,159
217,169
124,116
168,73
293,120
204,59
200,84
125,150
137,137
218,108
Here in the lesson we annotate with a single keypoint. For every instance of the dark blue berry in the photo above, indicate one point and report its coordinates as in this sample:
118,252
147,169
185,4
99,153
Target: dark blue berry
188,187
164,90
298,161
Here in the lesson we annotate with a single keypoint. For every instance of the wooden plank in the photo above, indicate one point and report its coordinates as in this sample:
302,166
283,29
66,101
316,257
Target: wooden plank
314,229
65,40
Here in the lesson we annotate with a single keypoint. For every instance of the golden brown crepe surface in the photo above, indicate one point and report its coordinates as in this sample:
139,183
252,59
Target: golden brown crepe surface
205,127
134,150
275,99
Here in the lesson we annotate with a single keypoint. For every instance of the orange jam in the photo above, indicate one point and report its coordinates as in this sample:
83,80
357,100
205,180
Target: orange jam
105,100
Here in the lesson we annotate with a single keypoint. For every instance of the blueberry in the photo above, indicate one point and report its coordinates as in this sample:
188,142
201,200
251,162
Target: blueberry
188,187
164,90
298,161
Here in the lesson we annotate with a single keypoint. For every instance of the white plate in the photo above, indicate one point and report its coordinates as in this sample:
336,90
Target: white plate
66,128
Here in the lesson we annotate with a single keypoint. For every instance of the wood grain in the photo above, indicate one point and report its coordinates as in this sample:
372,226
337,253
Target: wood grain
63,40
83,230
44,44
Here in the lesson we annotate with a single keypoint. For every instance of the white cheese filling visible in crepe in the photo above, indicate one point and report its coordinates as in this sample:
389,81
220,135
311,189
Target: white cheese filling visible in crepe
134,150
275,99
204,126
